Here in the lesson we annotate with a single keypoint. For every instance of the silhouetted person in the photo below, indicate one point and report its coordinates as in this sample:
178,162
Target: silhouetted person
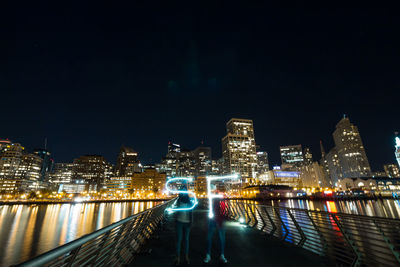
216,223
184,221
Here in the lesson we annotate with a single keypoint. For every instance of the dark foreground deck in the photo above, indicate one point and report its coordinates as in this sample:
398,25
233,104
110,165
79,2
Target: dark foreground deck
244,247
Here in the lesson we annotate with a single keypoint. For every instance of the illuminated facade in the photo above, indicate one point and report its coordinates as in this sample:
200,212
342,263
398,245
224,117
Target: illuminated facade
288,178
202,161
397,150
127,162
92,170
122,184
308,158
292,157
392,170
350,150
148,183
239,148
62,173
18,171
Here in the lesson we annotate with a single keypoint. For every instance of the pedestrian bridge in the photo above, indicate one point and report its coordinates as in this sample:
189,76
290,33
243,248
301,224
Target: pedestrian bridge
257,235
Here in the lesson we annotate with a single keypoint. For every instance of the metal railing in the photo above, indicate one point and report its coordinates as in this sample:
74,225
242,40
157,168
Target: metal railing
114,245
346,239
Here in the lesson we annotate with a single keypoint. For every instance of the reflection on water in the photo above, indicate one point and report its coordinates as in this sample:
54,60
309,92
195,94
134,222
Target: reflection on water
387,208
29,230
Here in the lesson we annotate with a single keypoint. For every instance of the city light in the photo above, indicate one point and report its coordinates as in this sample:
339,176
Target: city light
181,191
212,196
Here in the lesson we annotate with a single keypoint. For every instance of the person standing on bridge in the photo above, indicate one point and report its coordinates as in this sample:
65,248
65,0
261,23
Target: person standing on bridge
184,221
217,222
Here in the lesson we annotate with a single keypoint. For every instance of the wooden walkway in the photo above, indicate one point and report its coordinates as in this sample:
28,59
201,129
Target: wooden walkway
244,247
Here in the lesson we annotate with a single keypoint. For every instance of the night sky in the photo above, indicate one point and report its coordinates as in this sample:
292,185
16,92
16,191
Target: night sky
92,78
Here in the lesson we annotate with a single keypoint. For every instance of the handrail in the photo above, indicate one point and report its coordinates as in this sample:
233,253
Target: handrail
141,226
346,239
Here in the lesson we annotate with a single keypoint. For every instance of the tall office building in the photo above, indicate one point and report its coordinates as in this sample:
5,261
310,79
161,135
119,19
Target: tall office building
397,150
202,161
239,148
392,170
18,171
92,170
173,147
292,157
262,162
62,173
127,162
350,150
47,162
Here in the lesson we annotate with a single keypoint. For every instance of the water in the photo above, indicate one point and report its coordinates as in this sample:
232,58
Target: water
387,208
29,230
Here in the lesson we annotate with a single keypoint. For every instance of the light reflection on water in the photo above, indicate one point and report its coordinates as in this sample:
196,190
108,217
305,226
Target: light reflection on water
387,208
29,230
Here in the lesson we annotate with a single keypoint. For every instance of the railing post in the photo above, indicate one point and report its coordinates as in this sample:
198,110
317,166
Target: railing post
303,237
74,254
252,213
262,219
271,221
283,224
356,261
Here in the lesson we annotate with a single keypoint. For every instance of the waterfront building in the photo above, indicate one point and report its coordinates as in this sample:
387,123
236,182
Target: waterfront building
380,184
63,173
18,171
47,162
92,170
313,175
397,150
148,183
127,162
239,148
73,188
288,178
292,157
352,158
392,170
121,184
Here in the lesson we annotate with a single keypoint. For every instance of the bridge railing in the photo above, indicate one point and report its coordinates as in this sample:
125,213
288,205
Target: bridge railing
346,239
114,245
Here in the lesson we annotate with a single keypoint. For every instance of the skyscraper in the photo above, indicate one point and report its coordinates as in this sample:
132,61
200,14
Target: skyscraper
47,162
350,150
202,160
292,157
397,150
239,148
92,170
127,162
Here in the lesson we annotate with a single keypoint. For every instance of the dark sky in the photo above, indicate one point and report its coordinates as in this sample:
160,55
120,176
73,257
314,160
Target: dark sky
93,77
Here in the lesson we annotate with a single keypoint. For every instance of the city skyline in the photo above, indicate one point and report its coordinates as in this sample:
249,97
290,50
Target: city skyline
315,155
